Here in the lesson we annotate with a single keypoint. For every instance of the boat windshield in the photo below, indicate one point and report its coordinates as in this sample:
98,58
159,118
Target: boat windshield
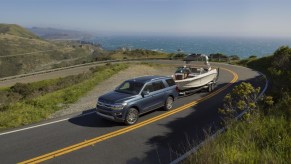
182,70
195,70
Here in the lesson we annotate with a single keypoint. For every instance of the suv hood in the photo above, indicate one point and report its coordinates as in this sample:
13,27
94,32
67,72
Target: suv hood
115,97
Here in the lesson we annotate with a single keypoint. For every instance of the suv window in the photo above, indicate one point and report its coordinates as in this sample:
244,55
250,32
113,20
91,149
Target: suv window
149,88
170,82
158,85
130,87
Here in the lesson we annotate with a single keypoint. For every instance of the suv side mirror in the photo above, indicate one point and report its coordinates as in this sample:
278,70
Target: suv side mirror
143,93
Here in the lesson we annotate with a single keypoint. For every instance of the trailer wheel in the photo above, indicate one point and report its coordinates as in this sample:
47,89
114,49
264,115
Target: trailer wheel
210,87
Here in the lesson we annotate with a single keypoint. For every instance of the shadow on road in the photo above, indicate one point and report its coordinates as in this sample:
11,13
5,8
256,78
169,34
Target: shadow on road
183,132
186,132
89,118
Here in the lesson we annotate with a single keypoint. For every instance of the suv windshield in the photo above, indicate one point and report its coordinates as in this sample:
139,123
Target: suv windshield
130,87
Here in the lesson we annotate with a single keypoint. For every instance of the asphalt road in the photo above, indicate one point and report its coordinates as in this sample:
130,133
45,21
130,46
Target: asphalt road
159,137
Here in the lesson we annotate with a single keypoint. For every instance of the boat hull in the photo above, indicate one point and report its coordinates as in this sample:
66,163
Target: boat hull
197,81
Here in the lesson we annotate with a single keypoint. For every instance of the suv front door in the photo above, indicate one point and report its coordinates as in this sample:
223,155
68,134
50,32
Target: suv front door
147,103
158,93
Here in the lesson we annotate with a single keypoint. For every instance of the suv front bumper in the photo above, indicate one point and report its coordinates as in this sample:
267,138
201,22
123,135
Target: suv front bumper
116,116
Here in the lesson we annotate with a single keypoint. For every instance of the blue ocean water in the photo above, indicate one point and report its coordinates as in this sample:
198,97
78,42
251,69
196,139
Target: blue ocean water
243,47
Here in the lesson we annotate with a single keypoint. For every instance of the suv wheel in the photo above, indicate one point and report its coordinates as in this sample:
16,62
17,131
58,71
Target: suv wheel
169,103
131,116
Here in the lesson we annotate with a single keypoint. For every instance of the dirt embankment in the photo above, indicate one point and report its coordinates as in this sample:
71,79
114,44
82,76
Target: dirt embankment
88,101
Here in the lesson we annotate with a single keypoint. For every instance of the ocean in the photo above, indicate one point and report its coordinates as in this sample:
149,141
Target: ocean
241,46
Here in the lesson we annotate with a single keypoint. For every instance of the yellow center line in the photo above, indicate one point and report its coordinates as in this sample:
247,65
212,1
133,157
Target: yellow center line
129,128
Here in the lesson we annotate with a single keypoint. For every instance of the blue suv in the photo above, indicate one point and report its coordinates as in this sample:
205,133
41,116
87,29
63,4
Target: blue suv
137,96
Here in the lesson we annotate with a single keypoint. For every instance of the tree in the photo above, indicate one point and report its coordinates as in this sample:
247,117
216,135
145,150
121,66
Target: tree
234,57
179,56
281,58
253,57
218,57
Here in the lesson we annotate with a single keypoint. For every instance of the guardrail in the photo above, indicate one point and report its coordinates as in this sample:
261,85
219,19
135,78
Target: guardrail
194,150
79,65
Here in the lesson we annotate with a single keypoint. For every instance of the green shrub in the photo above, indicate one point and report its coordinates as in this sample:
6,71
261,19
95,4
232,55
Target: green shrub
38,108
23,89
242,97
281,58
265,136
262,138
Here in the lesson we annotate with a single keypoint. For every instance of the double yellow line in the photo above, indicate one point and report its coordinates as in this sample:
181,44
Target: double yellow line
127,129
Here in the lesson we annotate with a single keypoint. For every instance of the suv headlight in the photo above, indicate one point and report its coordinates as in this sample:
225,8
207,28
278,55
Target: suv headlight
118,106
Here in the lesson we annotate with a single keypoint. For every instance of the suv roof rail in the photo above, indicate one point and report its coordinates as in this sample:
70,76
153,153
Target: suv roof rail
151,77
158,78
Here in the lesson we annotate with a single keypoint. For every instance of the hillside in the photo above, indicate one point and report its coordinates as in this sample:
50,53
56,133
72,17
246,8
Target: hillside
22,52
59,34
16,30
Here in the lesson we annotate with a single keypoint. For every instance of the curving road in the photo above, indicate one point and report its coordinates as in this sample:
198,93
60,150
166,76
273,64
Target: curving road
159,137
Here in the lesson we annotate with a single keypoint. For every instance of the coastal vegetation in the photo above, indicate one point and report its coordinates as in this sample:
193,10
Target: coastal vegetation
263,134
23,104
124,54
22,52
176,56
16,30
219,57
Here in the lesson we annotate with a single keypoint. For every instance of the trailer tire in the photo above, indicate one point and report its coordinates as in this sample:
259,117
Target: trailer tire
210,87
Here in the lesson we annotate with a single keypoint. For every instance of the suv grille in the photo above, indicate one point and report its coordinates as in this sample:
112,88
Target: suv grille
104,105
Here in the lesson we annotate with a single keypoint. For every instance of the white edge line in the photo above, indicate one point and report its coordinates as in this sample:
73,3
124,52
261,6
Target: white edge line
40,125
65,119
194,149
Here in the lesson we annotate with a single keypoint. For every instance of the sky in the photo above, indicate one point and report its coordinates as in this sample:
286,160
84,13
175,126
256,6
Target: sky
154,17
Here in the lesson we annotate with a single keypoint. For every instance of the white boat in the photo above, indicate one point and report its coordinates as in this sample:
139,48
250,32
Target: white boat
191,77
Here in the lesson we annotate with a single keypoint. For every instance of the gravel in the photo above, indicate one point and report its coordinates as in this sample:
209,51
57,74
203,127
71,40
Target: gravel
88,102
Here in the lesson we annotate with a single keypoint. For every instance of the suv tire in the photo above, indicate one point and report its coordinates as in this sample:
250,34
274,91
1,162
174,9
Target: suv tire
131,116
169,103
